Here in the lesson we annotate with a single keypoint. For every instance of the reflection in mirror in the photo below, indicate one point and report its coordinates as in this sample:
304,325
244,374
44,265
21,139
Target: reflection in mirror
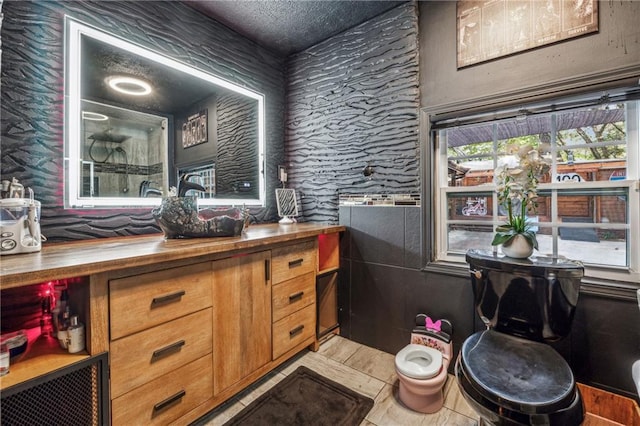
123,152
136,121
234,174
287,205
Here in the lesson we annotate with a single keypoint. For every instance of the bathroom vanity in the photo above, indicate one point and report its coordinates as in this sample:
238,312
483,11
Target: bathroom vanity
186,323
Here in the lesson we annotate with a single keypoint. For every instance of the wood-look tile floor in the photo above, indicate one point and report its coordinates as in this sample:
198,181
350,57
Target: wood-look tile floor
365,370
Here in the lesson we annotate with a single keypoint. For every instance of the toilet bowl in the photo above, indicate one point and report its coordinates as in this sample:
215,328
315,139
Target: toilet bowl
421,366
510,380
422,373
508,373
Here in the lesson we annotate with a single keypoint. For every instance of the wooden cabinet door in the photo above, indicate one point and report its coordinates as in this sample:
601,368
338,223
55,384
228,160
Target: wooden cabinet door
241,317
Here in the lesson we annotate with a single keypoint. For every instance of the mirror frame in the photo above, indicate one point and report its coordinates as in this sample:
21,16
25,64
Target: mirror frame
74,31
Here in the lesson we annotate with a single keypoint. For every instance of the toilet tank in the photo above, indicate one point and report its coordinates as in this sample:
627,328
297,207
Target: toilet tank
532,298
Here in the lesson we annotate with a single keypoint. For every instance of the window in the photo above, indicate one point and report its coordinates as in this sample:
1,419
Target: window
588,206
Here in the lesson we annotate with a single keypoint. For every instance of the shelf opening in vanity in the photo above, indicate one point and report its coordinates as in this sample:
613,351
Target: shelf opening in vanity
30,311
328,252
327,284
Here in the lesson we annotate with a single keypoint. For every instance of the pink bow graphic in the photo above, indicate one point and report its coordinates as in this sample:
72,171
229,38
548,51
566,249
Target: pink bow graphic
435,326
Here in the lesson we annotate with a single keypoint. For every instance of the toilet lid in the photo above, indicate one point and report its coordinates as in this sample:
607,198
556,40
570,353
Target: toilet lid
419,361
522,375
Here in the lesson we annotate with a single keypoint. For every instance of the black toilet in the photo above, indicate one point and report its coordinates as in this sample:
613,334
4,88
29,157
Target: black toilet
508,373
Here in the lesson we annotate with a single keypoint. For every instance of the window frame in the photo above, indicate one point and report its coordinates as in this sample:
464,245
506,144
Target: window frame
436,219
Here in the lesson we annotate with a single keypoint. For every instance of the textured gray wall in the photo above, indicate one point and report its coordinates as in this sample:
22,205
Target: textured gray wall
33,97
353,101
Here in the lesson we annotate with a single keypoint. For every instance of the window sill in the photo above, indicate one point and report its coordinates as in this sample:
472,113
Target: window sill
453,269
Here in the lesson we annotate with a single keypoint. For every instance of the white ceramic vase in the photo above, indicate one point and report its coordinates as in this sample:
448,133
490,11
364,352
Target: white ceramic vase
518,248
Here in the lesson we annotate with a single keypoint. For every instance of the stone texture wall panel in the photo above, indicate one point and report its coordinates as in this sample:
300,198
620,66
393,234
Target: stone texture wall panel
353,101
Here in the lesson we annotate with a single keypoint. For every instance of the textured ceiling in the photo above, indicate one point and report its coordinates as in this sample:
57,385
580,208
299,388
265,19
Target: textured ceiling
287,27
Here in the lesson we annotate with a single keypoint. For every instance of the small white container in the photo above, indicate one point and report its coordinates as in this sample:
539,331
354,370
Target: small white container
75,336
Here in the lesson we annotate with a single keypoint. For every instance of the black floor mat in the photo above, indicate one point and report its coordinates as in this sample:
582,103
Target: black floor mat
305,398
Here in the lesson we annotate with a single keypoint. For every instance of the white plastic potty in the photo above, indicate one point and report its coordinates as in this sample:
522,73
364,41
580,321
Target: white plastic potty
418,361
422,365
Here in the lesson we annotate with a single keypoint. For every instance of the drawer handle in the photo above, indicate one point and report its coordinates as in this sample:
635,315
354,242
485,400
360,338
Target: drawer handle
296,330
163,404
295,296
168,298
267,269
295,263
174,347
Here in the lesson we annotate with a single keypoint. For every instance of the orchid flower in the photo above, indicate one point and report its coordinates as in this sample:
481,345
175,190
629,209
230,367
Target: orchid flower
518,185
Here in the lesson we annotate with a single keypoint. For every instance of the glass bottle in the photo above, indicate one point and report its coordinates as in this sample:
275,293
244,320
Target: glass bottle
64,300
63,327
46,323
58,311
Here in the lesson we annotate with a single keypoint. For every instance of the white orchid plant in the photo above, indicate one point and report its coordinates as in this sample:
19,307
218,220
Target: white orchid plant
517,190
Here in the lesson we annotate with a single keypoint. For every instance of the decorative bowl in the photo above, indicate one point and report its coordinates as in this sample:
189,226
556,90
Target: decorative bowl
178,217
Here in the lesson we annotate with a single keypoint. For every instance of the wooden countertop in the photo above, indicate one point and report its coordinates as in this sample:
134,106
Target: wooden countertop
78,258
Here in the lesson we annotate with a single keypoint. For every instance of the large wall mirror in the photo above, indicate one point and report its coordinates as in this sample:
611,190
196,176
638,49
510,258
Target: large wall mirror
136,121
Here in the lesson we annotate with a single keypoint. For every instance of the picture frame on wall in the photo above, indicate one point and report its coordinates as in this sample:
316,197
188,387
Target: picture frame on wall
195,129
490,29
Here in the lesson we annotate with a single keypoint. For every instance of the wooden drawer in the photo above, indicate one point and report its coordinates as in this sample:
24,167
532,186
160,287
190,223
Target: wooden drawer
292,261
166,398
146,300
293,295
293,330
144,356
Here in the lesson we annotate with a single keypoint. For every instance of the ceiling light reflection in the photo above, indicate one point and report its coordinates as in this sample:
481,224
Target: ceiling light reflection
129,85
88,115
